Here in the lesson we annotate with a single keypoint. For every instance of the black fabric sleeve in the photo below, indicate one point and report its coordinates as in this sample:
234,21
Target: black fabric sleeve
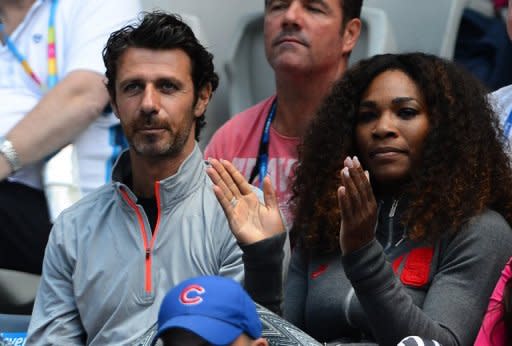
263,265
296,289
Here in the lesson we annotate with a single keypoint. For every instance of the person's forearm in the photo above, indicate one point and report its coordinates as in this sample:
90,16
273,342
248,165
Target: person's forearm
457,296
390,310
263,262
62,114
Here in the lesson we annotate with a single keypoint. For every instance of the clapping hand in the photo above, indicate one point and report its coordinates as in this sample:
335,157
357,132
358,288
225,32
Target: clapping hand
358,207
249,219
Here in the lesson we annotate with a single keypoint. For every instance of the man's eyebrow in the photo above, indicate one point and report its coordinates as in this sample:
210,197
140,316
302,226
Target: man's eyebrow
268,2
169,79
125,81
320,2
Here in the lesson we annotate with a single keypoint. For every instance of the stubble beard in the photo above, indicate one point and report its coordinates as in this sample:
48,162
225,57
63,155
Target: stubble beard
151,146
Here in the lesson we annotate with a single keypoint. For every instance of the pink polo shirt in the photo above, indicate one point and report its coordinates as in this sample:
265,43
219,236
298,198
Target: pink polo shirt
238,141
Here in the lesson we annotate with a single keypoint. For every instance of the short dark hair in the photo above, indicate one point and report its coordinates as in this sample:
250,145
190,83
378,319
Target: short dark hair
159,30
351,9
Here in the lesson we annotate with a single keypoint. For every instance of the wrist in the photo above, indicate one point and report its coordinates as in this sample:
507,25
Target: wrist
5,168
349,245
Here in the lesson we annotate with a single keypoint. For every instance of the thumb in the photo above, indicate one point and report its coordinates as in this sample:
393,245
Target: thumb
341,193
269,194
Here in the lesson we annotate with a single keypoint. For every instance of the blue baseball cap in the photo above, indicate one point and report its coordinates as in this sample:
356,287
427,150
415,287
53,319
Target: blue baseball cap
216,308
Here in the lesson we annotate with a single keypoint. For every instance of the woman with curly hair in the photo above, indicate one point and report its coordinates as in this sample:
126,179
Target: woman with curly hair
414,245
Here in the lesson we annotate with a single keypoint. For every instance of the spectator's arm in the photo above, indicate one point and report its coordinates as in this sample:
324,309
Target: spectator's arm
58,118
296,288
455,302
80,95
263,263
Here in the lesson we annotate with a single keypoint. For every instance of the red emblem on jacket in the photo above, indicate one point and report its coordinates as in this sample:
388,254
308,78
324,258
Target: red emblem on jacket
416,269
320,270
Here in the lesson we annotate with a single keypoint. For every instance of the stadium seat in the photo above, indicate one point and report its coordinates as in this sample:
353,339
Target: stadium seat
426,26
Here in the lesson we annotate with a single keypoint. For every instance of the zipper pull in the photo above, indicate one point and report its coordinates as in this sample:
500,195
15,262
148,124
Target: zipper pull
392,211
400,241
148,253
404,236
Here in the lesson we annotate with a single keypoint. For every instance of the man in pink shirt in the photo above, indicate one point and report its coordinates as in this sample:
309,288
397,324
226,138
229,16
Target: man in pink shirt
307,44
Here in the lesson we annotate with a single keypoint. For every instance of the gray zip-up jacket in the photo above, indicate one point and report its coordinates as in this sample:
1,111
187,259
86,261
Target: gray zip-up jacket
104,274
392,287
438,292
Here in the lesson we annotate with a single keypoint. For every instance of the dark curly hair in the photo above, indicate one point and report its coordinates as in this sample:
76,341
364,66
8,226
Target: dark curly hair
159,30
465,167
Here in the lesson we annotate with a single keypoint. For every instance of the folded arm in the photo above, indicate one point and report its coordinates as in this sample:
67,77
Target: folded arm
61,115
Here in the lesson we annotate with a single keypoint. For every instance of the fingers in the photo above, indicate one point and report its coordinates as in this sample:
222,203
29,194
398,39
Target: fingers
241,183
269,194
349,202
356,192
213,173
361,181
358,207
223,179
224,202
342,197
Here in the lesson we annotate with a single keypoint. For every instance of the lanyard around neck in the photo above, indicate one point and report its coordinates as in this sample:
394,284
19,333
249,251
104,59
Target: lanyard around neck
52,58
262,161
508,125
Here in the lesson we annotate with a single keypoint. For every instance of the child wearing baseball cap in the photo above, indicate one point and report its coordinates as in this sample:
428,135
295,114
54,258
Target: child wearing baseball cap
209,310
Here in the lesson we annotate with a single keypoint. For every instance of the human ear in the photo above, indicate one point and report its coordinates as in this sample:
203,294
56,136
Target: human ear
203,98
114,108
351,35
260,342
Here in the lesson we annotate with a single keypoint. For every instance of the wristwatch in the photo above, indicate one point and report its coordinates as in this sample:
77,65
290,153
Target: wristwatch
10,154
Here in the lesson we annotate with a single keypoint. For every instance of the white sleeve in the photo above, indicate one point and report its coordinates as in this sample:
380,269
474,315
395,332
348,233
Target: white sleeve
85,28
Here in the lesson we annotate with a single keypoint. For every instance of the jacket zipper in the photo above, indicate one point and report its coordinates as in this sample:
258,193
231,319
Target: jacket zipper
391,216
152,242
147,247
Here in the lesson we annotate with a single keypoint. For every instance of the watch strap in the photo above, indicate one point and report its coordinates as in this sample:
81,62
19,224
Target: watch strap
10,154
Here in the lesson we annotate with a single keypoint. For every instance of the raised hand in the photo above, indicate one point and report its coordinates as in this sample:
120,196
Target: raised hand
358,207
250,220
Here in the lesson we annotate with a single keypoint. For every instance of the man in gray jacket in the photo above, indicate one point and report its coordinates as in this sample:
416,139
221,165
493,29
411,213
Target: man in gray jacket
113,255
